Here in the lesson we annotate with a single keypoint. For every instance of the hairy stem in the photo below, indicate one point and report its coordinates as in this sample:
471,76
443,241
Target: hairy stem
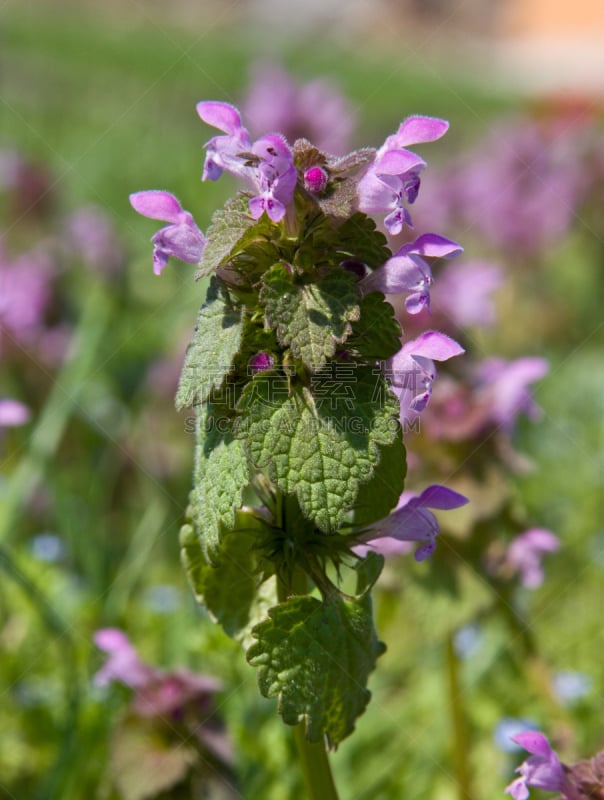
314,762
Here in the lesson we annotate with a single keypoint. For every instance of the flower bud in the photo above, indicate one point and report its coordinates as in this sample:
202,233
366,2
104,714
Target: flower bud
315,180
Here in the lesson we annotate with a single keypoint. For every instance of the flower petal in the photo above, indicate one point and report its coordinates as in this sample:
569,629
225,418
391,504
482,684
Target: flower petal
223,116
418,129
534,742
431,244
434,345
441,497
157,205
398,162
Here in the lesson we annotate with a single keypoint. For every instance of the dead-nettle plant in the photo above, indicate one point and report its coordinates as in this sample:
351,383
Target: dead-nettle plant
302,387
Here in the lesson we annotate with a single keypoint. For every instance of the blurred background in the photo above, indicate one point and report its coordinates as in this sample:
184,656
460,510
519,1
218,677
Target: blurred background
98,101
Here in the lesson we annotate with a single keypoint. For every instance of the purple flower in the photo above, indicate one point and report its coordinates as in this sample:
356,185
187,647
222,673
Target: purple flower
505,385
223,152
13,413
407,271
412,369
316,110
393,178
542,770
273,178
525,552
276,177
161,695
412,521
123,664
181,238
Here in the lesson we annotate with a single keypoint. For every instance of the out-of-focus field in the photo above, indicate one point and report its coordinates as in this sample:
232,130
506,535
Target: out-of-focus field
94,487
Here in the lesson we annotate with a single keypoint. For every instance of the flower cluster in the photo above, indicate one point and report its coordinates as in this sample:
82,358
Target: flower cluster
272,172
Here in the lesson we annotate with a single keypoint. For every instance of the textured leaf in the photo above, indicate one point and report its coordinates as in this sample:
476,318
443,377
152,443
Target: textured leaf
316,657
231,588
320,445
219,478
216,342
376,498
376,335
311,318
359,239
227,227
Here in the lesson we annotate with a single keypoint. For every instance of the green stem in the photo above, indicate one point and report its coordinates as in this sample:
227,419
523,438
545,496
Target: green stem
313,757
460,736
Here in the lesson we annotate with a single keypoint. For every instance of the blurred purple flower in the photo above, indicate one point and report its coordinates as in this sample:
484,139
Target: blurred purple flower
501,189
542,770
316,110
24,295
163,695
412,521
463,293
181,238
506,387
412,370
93,239
525,552
393,179
407,271
123,665
13,413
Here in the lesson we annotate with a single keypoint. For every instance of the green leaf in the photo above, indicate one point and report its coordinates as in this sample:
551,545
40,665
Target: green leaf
219,477
316,657
310,318
376,335
227,228
376,498
320,443
359,239
233,589
216,342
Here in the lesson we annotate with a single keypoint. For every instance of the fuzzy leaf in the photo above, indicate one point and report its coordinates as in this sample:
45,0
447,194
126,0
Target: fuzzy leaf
376,335
227,227
376,498
219,478
359,239
320,443
310,318
216,342
351,162
316,657
233,589
306,155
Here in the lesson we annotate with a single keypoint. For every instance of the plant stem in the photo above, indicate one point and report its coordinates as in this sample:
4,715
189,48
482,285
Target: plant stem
460,737
313,756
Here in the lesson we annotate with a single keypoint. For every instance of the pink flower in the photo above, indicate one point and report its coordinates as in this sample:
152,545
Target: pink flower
526,551
181,238
412,521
